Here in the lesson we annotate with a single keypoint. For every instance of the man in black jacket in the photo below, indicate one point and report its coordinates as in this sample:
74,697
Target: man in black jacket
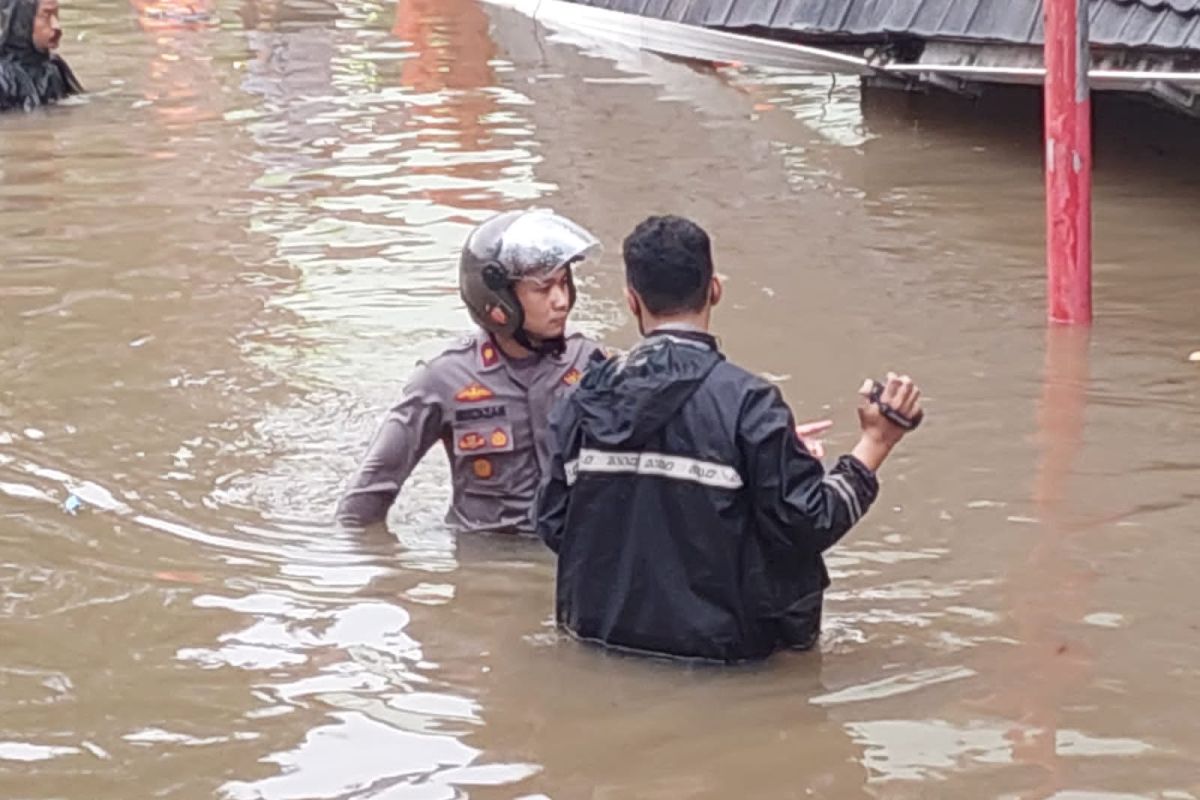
31,73
688,516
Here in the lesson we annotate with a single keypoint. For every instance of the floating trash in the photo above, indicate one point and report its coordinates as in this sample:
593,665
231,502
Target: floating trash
72,505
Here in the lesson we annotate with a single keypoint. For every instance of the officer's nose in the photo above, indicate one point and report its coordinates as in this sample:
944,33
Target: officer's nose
560,297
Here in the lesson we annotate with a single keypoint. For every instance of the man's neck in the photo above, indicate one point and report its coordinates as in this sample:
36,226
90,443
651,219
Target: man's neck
511,348
697,322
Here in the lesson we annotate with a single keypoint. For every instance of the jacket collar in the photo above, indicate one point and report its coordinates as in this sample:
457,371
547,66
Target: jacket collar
682,334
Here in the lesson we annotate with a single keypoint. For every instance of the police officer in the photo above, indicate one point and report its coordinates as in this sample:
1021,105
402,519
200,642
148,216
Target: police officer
487,398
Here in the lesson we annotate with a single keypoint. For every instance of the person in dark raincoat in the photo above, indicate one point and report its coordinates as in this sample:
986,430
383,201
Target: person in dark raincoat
31,73
687,512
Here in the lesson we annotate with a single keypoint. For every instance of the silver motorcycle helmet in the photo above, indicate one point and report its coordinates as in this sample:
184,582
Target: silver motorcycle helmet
512,246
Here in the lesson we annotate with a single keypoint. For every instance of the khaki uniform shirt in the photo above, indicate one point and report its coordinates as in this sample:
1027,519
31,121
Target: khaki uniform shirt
491,415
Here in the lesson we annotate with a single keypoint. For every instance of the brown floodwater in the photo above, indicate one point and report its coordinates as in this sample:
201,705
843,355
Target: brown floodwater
220,266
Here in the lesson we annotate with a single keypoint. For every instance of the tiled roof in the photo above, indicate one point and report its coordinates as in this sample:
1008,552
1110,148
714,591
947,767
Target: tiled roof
1159,24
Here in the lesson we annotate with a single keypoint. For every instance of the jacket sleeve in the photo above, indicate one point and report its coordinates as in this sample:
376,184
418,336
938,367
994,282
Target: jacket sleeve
408,431
16,91
554,494
796,503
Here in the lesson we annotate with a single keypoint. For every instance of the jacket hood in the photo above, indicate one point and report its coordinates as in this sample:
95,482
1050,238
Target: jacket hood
625,400
30,75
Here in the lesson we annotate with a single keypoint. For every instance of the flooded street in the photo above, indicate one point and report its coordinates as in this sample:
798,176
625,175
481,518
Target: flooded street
221,266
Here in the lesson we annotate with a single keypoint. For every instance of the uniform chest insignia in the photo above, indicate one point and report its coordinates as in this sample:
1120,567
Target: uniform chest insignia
471,441
474,393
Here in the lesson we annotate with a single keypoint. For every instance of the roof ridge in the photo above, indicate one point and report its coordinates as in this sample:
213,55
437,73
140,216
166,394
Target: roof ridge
1135,25
1187,7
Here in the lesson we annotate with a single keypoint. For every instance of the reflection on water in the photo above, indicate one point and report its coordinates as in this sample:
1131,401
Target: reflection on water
224,262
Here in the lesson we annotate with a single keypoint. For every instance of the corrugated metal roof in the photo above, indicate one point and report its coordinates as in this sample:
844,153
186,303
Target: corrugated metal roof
1159,24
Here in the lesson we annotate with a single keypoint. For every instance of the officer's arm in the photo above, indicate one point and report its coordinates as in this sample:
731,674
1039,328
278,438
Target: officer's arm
554,495
408,431
795,501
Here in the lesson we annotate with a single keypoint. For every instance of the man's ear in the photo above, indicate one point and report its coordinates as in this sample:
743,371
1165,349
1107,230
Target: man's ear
634,302
715,291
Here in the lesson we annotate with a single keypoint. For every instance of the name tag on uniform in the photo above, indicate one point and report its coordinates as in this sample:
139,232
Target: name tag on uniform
482,438
480,413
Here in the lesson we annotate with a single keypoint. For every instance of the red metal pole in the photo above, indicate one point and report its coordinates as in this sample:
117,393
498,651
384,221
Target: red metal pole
1068,162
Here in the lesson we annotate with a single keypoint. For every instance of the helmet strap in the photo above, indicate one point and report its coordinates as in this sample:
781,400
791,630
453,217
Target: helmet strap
543,347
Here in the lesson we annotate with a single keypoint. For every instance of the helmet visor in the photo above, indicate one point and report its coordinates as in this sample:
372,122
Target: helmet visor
539,243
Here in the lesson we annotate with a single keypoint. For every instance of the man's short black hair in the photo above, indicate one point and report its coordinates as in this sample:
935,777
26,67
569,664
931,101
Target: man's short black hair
668,262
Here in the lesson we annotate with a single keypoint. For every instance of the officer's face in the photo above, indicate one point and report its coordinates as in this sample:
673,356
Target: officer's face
46,31
547,302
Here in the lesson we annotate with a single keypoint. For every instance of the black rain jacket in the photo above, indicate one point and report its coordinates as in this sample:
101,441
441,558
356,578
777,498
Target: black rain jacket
688,518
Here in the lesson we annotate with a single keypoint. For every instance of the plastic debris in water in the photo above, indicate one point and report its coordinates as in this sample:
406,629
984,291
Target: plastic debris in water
72,505
179,577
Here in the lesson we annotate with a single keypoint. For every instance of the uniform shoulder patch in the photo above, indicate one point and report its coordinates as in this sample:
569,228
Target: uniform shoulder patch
465,342
460,345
